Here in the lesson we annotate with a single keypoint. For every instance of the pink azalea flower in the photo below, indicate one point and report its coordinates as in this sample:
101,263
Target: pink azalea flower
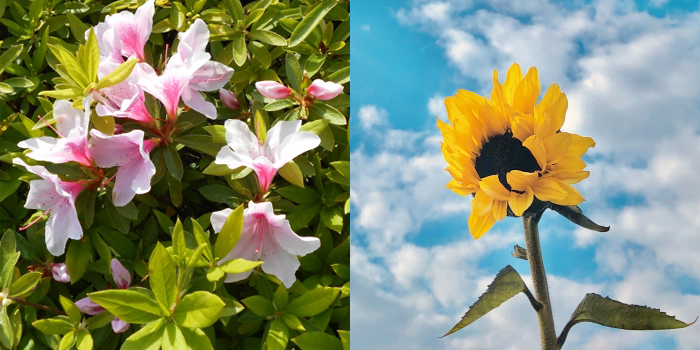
283,143
324,90
60,273
126,99
72,144
272,89
123,279
57,197
188,72
267,237
229,99
125,34
130,152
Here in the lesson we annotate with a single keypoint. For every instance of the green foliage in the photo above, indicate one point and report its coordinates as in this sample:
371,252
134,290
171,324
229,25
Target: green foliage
178,298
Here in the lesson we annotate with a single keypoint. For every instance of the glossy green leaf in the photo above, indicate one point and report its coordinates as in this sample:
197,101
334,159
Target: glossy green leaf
312,302
240,53
268,37
198,310
259,305
293,69
292,173
9,56
129,305
71,310
163,277
117,75
318,341
83,340
312,19
147,338
230,233
24,285
53,326
7,337
78,256
239,266
277,336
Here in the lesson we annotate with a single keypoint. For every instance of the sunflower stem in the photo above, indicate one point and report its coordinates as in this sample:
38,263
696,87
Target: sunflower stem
539,280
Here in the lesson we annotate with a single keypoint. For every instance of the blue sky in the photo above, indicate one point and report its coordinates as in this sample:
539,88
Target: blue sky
630,70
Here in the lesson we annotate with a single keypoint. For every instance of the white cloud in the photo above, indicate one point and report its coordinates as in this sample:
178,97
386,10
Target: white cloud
436,107
371,116
366,27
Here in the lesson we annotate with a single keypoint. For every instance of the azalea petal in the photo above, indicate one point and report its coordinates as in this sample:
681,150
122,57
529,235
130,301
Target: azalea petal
211,76
324,90
231,159
229,99
293,243
196,36
218,218
279,132
121,276
62,224
195,101
42,195
67,118
114,150
241,139
294,145
265,171
60,273
280,263
119,326
127,175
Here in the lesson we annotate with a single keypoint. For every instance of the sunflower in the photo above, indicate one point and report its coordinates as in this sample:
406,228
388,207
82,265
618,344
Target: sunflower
508,151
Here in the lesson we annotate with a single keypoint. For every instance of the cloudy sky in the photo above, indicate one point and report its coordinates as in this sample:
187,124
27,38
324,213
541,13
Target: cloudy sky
631,71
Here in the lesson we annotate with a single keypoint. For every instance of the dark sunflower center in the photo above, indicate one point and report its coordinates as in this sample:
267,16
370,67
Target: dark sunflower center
503,153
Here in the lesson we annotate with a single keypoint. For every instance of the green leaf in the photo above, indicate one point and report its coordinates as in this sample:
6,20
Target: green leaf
77,27
281,297
8,258
309,23
6,332
293,322
202,143
240,53
53,326
268,37
333,218
24,285
83,340
612,313
329,112
118,75
239,266
259,305
318,341
6,89
92,51
202,239
575,215
100,320
78,256
292,173
506,285
71,310
299,195
198,310
173,339
9,56
129,305
279,104
293,69
314,64
215,273
260,52
196,339
68,341
343,167
147,338
234,9
163,277
174,163
313,302
277,336
178,16
230,233
179,246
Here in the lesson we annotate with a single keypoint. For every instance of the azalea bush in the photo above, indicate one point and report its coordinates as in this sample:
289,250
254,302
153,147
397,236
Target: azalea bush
174,174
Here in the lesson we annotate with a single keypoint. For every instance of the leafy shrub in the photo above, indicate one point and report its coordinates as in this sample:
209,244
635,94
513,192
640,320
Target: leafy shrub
82,127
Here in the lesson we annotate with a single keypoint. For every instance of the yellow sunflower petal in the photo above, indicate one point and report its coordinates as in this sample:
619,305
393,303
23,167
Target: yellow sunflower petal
479,225
497,96
548,190
514,77
519,202
557,146
461,113
569,165
572,178
499,210
461,189
522,126
527,92
494,188
520,180
573,196
579,145
553,106
536,147
481,204
495,122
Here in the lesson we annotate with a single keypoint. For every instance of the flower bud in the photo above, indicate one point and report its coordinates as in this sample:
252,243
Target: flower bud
60,273
119,326
229,99
120,274
272,89
88,307
324,90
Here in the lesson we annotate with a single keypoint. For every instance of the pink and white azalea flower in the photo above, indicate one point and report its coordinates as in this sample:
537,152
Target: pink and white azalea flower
126,99
324,90
283,143
272,89
229,99
267,237
125,34
57,197
123,279
60,273
188,72
130,152
72,144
